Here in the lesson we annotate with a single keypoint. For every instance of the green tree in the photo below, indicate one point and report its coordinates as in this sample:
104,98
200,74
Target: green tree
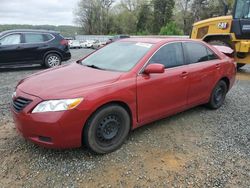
145,16
65,30
189,11
171,29
163,12
124,21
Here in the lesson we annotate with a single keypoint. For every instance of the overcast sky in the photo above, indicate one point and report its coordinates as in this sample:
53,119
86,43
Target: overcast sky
37,12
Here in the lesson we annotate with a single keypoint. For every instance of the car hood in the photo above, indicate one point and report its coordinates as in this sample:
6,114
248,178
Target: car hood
66,81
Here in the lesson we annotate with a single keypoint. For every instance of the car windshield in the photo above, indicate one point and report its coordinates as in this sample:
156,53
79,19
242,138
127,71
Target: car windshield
119,56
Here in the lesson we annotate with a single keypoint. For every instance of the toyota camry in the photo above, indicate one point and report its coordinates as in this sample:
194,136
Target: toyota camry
99,99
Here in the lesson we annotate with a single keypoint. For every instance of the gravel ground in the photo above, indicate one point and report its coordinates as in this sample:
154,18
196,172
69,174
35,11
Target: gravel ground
196,148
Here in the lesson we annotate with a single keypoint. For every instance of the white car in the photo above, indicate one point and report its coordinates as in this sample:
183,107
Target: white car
97,44
83,44
74,44
89,43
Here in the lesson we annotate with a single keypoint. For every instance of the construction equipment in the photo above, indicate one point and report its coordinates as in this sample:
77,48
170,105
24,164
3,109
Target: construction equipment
232,31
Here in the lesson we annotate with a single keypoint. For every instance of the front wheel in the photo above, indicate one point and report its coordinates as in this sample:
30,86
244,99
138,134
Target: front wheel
107,129
218,95
52,60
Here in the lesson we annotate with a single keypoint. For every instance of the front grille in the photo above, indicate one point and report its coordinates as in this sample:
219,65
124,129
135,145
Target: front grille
20,103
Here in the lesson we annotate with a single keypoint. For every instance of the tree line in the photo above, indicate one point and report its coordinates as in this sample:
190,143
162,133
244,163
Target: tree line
144,17
66,31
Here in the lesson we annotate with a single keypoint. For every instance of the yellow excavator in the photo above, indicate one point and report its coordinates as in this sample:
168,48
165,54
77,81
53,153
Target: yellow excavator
232,31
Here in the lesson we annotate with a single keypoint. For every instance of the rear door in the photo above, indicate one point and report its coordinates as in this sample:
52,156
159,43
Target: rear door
35,45
159,95
204,71
11,48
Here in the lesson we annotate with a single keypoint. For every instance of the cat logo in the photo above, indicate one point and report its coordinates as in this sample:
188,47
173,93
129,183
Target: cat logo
222,25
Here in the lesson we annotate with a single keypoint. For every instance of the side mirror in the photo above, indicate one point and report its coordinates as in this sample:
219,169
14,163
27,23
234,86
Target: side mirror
154,69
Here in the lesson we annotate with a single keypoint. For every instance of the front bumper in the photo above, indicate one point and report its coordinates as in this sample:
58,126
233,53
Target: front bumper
60,130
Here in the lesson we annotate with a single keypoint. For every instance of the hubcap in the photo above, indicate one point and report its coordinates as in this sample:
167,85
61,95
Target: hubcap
218,95
53,61
108,128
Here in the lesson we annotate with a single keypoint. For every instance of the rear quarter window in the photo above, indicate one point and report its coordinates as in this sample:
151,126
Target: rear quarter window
211,55
47,37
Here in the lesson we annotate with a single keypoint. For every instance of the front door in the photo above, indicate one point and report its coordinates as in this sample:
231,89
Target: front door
10,49
159,95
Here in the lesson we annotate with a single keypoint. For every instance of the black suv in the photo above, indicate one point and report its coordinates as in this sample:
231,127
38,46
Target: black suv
47,48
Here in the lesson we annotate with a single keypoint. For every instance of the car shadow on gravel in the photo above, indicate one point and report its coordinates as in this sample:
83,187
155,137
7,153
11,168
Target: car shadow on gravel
21,68
133,137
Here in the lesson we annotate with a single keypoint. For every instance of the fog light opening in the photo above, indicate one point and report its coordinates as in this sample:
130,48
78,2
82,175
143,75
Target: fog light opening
45,139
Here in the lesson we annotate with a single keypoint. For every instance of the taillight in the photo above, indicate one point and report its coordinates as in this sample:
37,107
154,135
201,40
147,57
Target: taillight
64,42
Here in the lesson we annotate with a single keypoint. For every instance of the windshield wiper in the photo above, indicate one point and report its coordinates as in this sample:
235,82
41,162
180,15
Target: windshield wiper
94,67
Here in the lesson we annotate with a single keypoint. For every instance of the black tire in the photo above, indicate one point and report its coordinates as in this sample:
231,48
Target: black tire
240,65
218,95
52,60
107,129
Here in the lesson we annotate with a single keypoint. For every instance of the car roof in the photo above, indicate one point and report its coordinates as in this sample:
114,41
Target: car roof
155,40
27,30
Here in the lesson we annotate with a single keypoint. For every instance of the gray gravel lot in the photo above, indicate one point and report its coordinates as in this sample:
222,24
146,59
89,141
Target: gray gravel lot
196,148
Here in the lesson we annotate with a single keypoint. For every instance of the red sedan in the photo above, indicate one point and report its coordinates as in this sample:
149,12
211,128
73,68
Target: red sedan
127,84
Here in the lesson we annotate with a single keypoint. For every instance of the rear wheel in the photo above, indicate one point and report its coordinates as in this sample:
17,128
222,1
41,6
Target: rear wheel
52,60
218,95
107,129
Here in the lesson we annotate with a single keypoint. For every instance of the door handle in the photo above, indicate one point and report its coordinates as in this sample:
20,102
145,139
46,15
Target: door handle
184,74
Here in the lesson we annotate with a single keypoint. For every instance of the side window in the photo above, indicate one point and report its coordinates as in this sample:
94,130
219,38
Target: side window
170,56
211,55
33,38
11,39
196,52
47,37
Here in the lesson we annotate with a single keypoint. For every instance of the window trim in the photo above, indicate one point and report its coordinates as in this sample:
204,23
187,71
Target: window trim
208,49
27,32
183,54
188,56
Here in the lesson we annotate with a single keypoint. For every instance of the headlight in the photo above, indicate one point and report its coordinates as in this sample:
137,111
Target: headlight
57,105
